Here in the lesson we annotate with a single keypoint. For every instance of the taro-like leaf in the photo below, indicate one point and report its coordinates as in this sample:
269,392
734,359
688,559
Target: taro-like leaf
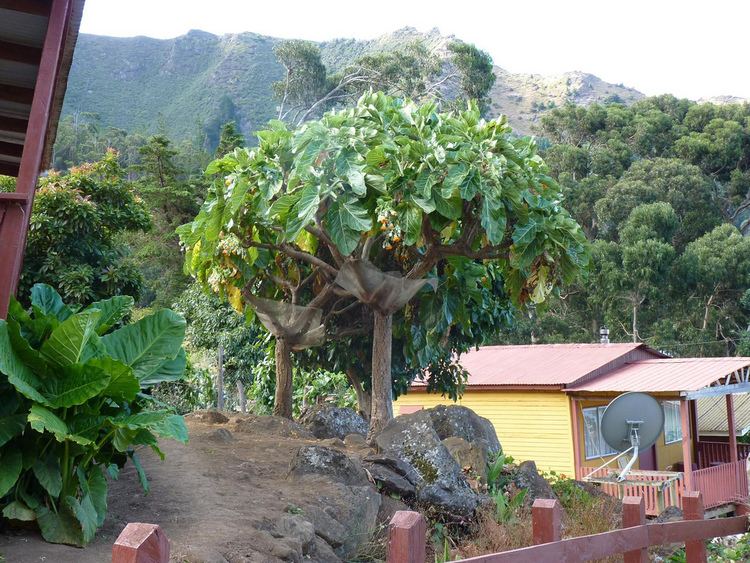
60,527
17,510
67,343
162,423
113,310
49,302
86,514
141,473
146,344
47,472
42,419
97,485
170,370
18,373
74,385
11,464
11,426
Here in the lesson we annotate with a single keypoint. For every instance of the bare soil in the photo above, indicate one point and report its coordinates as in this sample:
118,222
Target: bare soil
217,498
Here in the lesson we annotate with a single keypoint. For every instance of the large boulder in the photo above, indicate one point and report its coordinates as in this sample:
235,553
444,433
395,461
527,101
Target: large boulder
441,482
394,475
329,463
472,458
273,426
461,422
527,477
327,421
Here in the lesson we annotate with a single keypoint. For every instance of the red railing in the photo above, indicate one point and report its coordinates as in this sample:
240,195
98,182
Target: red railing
710,454
722,483
659,490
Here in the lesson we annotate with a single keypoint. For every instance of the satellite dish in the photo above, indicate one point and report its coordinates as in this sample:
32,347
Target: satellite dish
629,411
632,422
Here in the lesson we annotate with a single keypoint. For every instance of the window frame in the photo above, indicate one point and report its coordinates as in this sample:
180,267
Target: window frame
604,448
677,417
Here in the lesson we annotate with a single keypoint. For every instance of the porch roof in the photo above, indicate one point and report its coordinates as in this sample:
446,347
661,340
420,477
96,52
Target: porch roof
712,414
691,377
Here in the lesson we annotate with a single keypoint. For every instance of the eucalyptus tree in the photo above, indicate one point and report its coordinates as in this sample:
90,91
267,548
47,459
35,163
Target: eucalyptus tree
322,212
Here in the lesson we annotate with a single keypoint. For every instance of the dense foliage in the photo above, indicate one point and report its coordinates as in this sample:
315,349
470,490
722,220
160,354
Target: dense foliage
71,407
662,190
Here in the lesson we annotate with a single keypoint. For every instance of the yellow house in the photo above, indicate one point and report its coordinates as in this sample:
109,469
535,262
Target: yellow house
546,403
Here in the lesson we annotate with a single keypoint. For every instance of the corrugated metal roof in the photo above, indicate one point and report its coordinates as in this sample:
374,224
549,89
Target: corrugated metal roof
712,414
553,365
664,375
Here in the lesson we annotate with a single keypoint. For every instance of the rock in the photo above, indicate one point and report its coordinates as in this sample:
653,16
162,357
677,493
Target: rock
670,514
273,425
221,435
457,421
210,416
441,482
297,528
332,443
323,552
527,477
355,441
392,474
471,458
326,421
326,462
388,507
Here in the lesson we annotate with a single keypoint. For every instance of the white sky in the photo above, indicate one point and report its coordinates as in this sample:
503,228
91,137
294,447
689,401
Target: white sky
690,48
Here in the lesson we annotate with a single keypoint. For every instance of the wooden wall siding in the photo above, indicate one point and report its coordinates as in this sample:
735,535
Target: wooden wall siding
533,425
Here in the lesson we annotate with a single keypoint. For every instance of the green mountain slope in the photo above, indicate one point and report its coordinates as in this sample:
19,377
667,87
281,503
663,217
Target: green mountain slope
180,85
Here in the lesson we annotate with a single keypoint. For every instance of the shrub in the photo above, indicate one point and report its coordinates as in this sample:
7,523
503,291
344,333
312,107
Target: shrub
71,407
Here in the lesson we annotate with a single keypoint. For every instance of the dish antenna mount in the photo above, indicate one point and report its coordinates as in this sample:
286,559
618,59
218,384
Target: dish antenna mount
631,423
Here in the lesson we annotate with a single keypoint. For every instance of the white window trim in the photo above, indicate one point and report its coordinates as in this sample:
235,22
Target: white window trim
602,444
676,405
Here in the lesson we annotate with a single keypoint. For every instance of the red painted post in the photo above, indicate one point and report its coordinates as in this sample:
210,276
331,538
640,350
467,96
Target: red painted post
406,538
687,450
634,514
692,508
732,429
546,520
141,543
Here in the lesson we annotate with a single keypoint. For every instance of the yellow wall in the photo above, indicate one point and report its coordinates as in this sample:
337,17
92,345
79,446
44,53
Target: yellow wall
530,424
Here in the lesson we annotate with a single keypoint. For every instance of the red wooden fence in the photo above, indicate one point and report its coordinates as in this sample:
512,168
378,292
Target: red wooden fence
713,453
141,543
632,540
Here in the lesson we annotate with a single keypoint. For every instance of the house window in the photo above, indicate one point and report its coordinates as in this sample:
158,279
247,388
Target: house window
595,444
672,422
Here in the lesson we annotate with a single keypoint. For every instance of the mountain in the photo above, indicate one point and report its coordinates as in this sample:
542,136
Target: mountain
200,80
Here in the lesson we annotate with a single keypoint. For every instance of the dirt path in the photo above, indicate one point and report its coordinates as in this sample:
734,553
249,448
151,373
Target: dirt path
218,499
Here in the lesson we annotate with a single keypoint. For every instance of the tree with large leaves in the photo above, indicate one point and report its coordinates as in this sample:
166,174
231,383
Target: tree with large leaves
385,186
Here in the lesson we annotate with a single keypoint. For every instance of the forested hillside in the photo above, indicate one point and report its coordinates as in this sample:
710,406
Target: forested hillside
190,85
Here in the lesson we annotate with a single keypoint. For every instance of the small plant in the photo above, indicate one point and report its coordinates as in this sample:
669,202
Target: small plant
71,407
506,506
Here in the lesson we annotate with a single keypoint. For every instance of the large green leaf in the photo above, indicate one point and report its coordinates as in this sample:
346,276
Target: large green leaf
19,375
141,473
164,423
68,341
97,484
47,472
60,527
42,419
411,225
170,370
11,464
122,382
346,220
86,514
49,302
145,345
11,426
493,220
17,510
113,310
23,349
303,212
76,384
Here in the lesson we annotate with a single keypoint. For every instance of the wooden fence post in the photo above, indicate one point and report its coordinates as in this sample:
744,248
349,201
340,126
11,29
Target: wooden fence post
406,538
545,520
634,514
141,543
692,508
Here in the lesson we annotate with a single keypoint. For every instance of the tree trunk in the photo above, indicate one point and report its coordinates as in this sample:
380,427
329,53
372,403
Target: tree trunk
220,380
382,393
282,403
242,398
364,397
635,323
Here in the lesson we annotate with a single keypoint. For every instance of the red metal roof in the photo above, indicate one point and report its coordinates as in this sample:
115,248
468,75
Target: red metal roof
539,365
664,375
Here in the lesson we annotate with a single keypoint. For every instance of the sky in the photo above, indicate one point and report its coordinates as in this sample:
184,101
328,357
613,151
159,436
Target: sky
689,48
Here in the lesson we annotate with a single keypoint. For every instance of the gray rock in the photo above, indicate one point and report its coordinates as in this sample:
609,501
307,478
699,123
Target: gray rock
210,416
392,474
457,421
297,528
388,507
273,425
470,457
329,463
332,443
527,477
442,484
221,435
326,421
355,441
323,552
670,514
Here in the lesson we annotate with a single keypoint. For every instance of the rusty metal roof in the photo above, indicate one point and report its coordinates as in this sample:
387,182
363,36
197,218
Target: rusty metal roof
544,365
664,375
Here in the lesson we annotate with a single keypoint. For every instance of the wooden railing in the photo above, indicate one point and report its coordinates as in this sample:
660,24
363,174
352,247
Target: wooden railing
659,490
713,453
723,483
407,537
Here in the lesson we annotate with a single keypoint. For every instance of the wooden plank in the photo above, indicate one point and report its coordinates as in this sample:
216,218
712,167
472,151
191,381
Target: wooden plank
13,196
687,453
35,7
634,514
11,149
546,520
9,169
20,53
407,533
16,94
732,430
141,543
14,228
13,124
692,508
